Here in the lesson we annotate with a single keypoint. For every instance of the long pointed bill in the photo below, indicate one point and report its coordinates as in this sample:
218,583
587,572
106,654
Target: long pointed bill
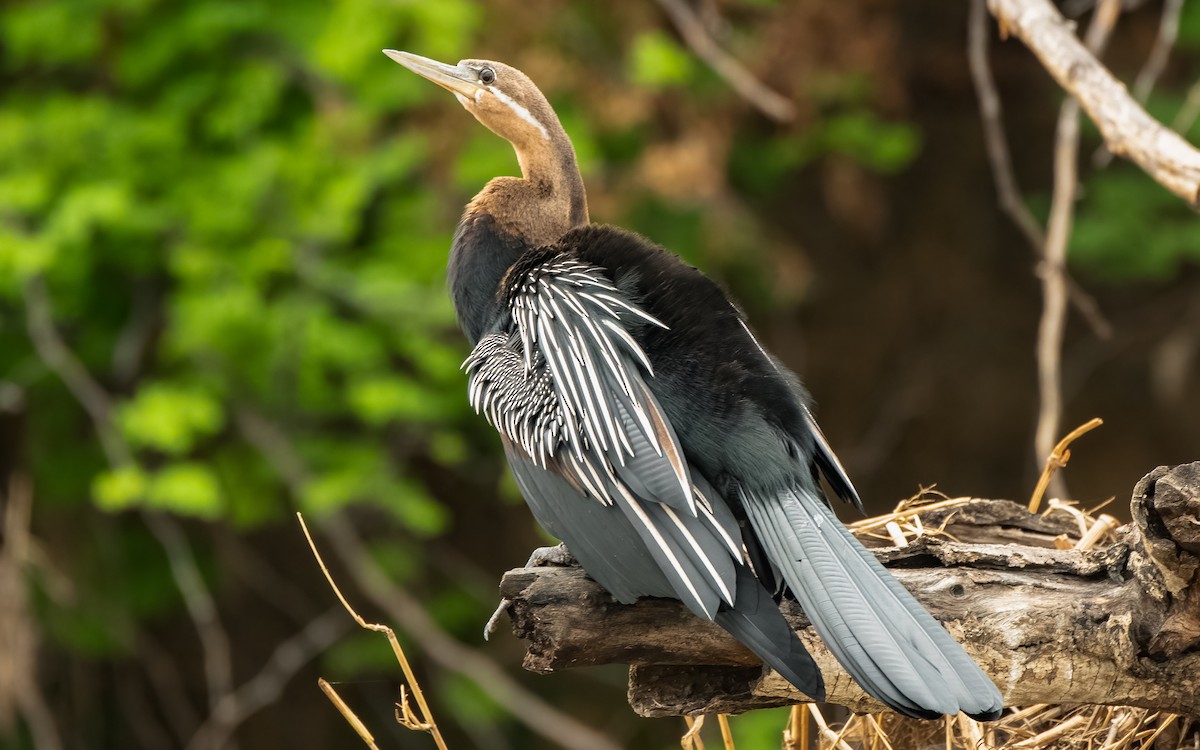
455,79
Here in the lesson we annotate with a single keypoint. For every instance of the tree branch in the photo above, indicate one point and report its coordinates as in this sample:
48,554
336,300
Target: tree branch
692,29
266,686
408,614
1127,128
991,115
1115,625
1053,322
54,352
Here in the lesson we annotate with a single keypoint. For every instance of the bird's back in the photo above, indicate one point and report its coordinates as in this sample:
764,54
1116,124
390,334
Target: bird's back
739,415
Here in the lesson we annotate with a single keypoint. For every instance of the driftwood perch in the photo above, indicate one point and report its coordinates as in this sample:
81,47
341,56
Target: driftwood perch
1115,625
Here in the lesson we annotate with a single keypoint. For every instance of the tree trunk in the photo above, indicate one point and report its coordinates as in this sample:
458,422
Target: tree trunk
1116,625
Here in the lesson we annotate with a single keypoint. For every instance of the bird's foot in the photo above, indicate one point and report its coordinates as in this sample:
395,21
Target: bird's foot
557,555
541,557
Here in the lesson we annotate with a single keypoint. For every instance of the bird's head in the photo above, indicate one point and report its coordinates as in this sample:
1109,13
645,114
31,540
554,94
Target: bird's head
500,96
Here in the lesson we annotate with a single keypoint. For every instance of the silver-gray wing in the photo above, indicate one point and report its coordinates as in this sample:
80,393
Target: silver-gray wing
566,386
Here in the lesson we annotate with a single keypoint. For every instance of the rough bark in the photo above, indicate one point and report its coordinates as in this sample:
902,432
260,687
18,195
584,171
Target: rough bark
1117,625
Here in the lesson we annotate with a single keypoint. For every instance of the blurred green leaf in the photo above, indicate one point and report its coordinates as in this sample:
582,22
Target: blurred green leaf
471,704
119,489
169,417
1111,239
657,61
186,488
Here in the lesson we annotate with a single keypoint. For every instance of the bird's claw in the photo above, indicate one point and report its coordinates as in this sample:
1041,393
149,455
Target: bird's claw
494,621
557,555
541,557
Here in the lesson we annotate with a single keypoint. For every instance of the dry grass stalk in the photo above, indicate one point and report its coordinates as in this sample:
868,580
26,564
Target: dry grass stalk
1040,726
905,512
1058,458
1102,528
726,732
347,712
825,733
405,715
795,734
691,739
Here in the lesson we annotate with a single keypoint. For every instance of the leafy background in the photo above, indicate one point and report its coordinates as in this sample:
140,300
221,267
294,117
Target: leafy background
234,216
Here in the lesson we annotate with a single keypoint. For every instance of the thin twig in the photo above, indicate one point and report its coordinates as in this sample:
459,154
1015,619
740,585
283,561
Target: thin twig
345,710
795,734
1100,529
694,33
424,721
1052,325
214,641
1047,737
452,655
541,717
19,644
59,358
875,522
691,739
1156,63
833,738
1186,117
726,732
39,324
1008,194
264,688
991,114
1058,458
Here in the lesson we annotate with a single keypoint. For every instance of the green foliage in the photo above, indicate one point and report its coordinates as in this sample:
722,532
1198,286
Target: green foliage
858,134
1189,27
120,488
169,418
1130,228
656,61
233,215
759,728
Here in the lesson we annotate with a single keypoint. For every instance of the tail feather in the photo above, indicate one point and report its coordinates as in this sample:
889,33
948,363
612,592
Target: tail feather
756,621
887,641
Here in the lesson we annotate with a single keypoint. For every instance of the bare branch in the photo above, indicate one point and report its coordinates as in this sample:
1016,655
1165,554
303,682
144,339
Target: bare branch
1127,128
452,655
1186,117
1168,32
266,686
1052,325
408,614
693,31
19,641
214,641
39,323
991,114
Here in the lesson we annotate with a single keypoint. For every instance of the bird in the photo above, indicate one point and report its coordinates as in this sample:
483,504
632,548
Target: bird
654,435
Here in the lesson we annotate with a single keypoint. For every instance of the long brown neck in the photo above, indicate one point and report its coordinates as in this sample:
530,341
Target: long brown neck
547,201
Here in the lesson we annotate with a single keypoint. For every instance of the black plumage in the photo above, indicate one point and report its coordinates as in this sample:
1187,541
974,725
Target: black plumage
650,431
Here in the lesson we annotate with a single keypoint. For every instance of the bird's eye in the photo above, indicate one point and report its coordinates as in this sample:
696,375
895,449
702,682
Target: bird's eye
487,76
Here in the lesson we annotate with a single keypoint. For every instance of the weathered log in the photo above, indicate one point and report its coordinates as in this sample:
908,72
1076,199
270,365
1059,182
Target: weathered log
1116,625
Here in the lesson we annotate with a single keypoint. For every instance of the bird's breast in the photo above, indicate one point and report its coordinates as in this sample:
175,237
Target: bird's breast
480,256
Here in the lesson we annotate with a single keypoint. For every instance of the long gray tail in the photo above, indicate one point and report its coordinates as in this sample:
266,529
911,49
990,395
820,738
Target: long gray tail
883,637
756,621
